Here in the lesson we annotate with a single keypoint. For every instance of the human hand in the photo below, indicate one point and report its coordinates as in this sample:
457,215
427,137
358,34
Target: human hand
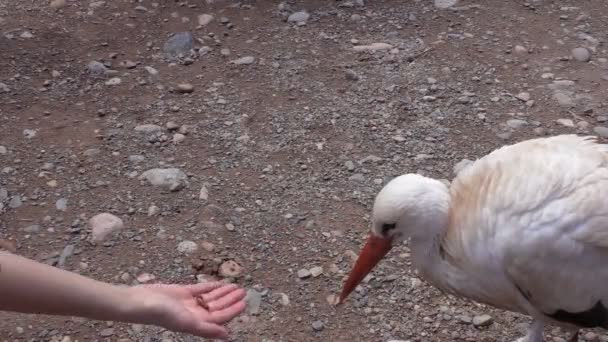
179,309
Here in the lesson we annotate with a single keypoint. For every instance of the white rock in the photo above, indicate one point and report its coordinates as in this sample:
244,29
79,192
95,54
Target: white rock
581,54
373,47
204,193
565,122
244,60
178,138
445,3
3,150
524,96
172,179
204,19
148,128
29,133
563,99
104,224
57,4
151,70
187,247
114,81
298,17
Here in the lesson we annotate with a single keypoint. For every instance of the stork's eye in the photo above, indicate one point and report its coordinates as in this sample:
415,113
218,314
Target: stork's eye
388,227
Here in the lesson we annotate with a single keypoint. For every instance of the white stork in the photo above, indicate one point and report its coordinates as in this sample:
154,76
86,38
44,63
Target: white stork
524,229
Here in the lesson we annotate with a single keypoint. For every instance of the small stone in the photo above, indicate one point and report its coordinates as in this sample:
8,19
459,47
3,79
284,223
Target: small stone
29,133
179,44
203,194
114,81
581,54
145,278
32,229
3,150
284,300
153,210
56,4
520,50
523,96
61,204
316,271
204,19
601,131
482,320
298,17
253,299
465,319
65,254
332,299
172,179
107,332
208,246
15,202
185,88
516,123
318,325
304,273
148,129
443,4
565,122
104,224
244,60
350,166
351,75
151,70
187,247
373,47
563,99
178,138
230,269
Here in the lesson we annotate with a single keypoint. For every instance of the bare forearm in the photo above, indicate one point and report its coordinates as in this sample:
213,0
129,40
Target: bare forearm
30,287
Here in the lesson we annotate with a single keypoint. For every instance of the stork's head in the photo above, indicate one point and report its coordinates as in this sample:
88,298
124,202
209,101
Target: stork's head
409,206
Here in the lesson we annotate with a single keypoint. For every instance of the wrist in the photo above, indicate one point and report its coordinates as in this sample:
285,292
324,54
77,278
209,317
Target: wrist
137,307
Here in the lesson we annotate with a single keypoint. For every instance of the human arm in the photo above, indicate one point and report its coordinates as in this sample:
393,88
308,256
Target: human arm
27,286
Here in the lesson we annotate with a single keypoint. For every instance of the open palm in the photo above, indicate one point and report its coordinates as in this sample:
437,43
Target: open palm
180,308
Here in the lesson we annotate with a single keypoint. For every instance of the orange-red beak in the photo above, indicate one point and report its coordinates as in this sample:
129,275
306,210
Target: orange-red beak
374,250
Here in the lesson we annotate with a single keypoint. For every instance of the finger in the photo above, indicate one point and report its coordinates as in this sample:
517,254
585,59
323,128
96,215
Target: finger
201,288
219,292
227,300
227,314
210,330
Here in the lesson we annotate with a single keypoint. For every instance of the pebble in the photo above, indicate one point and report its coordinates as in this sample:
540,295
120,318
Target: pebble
208,246
350,166
107,332
15,202
179,44
178,138
443,4
203,194
373,47
29,133
482,320
230,269
153,210
56,4
523,96
204,19
318,325
187,247
298,17
244,60
284,300
304,273
114,81
581,54
104,224
563,99
516,123
172,179
96,68
148,128
145,277
3,150
520,50
254,301
31,229
151,70
565,122
601,131
316,271
185,88
61,204
65,254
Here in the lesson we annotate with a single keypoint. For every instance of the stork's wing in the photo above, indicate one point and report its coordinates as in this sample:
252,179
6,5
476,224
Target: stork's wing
542,206
555,243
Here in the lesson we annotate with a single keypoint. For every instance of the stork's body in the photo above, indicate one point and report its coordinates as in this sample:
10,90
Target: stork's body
524,228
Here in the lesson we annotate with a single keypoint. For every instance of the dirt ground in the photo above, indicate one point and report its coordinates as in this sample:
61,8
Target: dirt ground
291,123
